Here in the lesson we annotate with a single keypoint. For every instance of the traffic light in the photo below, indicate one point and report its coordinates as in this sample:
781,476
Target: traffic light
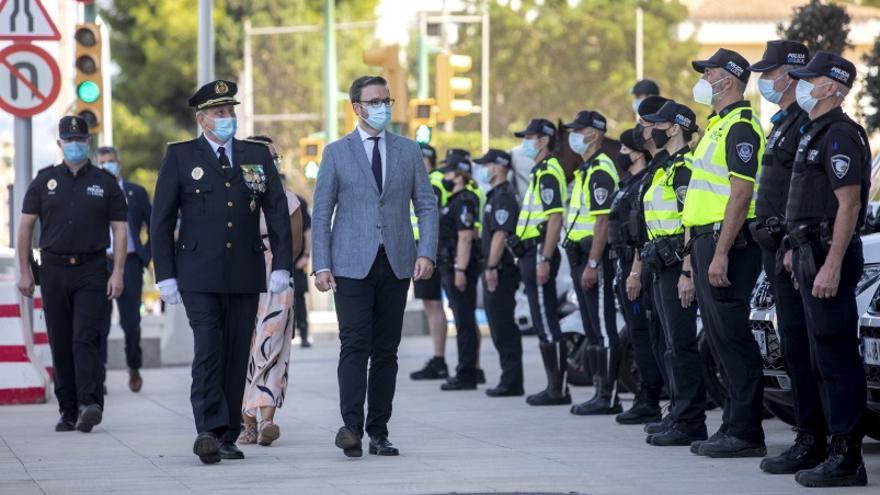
388,57
89,87
422,119
310,150
449,86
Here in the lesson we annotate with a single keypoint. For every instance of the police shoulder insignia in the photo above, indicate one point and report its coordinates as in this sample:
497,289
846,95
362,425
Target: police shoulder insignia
501,216
467,218
547,195
52,184
197,173
745,151
840,165
601,195
681,193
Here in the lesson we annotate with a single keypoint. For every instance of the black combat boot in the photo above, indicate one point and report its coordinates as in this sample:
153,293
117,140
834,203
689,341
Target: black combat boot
644,410
808,451
843,467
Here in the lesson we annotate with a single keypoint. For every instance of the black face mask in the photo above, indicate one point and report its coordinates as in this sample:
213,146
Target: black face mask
638,136
625,161
660,137
448,185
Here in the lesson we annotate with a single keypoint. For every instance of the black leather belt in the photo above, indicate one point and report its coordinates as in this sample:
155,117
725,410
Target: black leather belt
47,258
706,229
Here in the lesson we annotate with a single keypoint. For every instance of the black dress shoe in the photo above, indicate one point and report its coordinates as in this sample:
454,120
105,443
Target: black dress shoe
65,424
695,447
730,446
89,417
379,445
455,383
481,377
659,427
348,439
207,448
807,452
502,391
228,450
639,414
678,437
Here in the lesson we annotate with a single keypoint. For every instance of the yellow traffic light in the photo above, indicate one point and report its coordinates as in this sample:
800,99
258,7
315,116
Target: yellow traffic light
422,119
448,86
310,150
388,58
89,87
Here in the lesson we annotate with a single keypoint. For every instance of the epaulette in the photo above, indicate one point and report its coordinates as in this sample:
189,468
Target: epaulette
254,141
172,143
746,114
45,169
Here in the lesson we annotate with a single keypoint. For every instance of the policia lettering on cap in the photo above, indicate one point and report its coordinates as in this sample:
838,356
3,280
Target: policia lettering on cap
825,211
216,186
77,204
725,259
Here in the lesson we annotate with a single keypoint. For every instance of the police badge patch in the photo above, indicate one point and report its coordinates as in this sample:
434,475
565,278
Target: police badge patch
680,193
501,216
601,195
467,218
547,195
745,151
840,165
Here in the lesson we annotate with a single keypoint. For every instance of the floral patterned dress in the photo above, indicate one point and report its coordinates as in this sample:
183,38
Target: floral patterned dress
267,372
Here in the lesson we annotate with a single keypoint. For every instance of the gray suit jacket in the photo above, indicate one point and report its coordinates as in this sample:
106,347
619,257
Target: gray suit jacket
346,195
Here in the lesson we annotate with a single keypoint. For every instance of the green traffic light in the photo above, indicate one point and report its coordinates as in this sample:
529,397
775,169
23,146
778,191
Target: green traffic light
423,134
88,92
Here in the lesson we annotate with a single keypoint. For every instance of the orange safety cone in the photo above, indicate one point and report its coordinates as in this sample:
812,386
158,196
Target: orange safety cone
22,378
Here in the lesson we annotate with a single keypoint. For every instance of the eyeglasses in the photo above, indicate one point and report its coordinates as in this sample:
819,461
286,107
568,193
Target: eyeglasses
378,103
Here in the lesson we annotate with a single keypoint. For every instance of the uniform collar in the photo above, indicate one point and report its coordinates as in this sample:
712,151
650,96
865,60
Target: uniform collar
499,188
589,161
227,146
781,115
82,171
733,106
835,114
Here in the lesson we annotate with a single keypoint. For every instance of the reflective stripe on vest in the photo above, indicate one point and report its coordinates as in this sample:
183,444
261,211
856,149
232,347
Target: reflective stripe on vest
532,213
436,178
581,221
474,188
662,217
709,189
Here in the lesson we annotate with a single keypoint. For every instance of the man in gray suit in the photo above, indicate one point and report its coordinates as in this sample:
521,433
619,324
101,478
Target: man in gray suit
367,256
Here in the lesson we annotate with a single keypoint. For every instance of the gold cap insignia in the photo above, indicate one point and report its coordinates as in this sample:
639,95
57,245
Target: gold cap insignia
73,125
221,88
52,184
197,173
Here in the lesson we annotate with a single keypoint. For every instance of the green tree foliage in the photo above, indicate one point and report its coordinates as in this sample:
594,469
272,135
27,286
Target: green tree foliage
553,58
820,25
870,93
154,45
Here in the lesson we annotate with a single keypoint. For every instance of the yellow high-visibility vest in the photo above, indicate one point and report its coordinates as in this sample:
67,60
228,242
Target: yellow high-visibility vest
532,213
662,217
581,218
436,178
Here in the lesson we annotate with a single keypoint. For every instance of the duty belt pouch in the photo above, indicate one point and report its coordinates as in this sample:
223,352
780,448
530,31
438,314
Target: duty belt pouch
651,258
807,262
574,256
35,268
667,252
764,236
741,241
515,246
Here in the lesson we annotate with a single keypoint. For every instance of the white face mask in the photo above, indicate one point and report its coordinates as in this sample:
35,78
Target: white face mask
704,92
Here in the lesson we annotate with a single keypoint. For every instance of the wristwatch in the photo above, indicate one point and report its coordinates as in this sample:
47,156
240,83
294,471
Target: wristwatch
686,273
593,264
542,258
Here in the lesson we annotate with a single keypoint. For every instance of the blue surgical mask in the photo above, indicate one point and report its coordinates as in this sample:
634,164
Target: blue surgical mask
530,148
75,151
804,95
112,167
378,117
224,128
482,176
766,87
577,144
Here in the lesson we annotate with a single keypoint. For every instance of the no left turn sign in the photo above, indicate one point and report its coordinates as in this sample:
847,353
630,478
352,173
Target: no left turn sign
29,80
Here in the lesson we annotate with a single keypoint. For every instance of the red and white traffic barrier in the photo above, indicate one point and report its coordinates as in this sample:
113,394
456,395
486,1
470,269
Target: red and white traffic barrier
22,378
42,352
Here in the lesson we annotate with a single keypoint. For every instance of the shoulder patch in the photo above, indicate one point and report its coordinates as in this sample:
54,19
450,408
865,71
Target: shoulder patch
501,216
681,193
547,195
745,151
601,195
840,165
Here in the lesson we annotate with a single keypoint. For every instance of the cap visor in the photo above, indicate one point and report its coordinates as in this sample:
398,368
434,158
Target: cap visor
802,74
573,125
520,134
763,66
655,118
481,161
212,104
702,65
69,135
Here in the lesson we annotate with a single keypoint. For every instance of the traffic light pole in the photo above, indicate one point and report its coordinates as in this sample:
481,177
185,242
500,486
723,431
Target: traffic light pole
90,13
206,41
331,86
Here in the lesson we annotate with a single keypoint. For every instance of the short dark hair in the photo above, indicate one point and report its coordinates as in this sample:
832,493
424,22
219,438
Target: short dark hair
261,138
107,150
357,87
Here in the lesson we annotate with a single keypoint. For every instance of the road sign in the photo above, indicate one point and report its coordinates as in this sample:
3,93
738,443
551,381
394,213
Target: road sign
26,20
29,80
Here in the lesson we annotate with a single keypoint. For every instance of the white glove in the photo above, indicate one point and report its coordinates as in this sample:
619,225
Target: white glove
168,291
279,281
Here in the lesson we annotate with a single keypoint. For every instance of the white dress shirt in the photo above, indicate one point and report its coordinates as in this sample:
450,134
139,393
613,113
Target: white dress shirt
368,148
227,148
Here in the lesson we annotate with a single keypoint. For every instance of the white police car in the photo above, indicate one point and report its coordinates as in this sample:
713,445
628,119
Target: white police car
777,385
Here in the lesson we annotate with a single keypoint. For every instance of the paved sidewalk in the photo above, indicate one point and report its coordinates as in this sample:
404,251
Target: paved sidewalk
451,442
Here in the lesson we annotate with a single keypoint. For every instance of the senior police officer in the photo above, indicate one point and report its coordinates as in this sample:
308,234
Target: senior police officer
776,86
501,276
428,291
673,287
534,244
826,208
219,185
77,205
458,257
725,259
623,237
592,270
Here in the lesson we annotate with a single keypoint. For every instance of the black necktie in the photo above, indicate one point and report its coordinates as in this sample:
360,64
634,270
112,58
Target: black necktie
377,162
224,160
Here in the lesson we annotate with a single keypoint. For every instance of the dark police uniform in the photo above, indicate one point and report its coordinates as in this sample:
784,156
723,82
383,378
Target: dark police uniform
217,258
460,214
75,212
768,231
301,282
832,153
500,214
